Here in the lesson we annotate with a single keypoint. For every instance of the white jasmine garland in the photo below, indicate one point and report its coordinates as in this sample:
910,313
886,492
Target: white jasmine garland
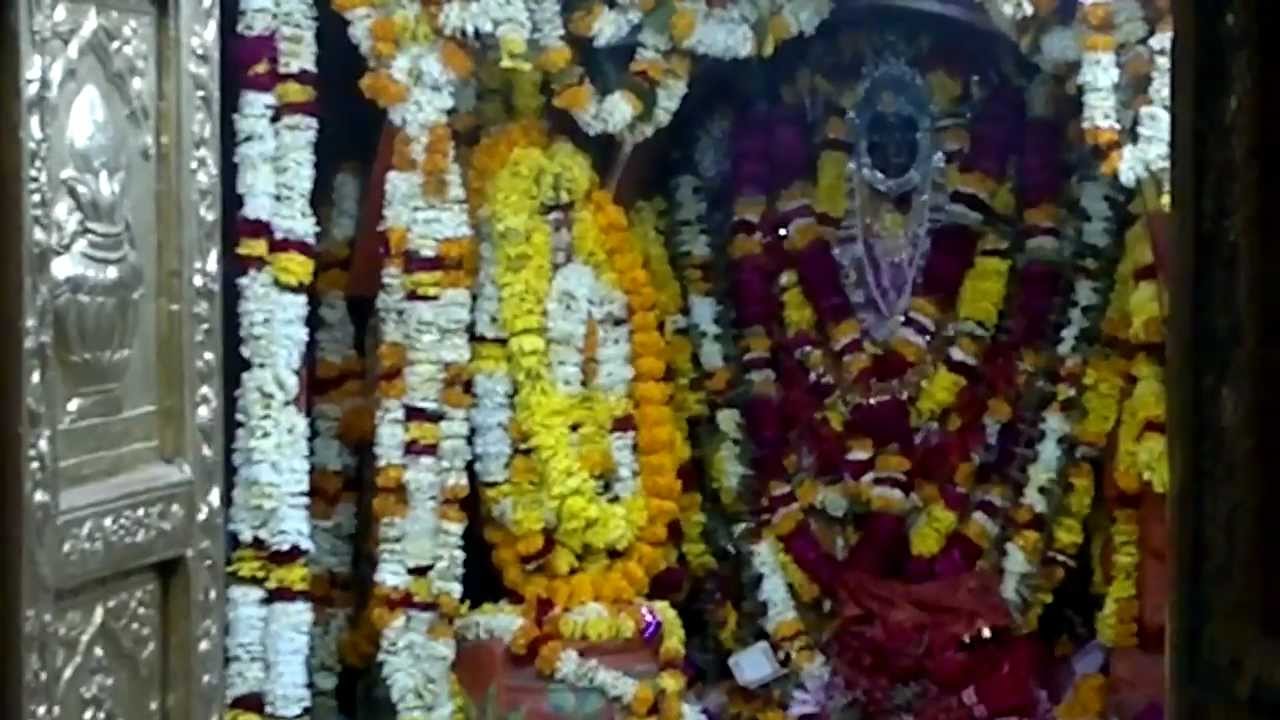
473,19
360,29
416,666
614,24
1014,10
548,25
1099,77
434,331
622,445
296,45
568,308
775,594
614,371
255,153
256,18
269,449
725,33
1043,471
334,345
1151,155
1016,568
668,94
577,671
729,472
246,654
268,641
607,115
1096,197
494,621
488,325
288,641
1086,295
805,16
295,170
780,607
430,85
491,417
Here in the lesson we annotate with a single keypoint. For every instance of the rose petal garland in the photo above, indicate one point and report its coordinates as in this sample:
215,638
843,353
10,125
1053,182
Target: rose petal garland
341,422
269,608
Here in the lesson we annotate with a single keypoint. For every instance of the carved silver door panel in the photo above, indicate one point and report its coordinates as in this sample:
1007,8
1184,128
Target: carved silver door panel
112,452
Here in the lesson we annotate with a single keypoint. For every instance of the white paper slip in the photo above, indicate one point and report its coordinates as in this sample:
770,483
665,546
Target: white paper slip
756,665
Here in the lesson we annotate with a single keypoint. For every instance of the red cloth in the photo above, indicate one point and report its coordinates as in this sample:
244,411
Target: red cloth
951,632
366,256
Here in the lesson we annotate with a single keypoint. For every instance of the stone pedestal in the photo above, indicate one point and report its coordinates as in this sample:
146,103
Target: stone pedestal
499,684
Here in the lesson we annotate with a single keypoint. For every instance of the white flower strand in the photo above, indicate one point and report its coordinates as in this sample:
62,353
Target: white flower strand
780,607
335,346
246,653
1099,77
1151,155
269,641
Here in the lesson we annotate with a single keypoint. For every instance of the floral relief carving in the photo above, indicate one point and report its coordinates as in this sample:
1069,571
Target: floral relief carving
105,651
132,530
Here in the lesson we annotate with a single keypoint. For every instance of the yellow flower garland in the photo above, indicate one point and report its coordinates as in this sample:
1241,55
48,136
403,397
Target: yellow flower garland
552,495
1117,622
689,401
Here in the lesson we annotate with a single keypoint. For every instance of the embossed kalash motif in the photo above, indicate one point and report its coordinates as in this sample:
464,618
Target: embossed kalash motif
92,650
97,279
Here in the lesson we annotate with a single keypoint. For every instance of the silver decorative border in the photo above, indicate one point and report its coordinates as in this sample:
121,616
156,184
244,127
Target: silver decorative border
189,37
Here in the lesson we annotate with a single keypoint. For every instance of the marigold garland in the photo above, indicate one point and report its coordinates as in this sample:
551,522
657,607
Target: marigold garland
565,545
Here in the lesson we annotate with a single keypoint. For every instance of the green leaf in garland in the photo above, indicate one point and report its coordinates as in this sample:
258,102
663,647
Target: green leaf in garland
607,67
659,18
643,90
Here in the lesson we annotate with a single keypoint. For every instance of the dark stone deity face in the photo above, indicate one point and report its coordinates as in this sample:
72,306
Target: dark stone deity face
893,142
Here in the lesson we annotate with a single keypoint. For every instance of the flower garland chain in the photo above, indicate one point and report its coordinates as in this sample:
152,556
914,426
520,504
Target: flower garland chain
269,608
341,422
421,443
583,346
659,697
689,402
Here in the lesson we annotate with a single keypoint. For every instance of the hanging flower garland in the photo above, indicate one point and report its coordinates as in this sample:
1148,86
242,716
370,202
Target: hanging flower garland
692,251
588,364
1135,323
1099,79
1064,464
341,422
648,218
269,607
422,439
546,640
492,383
778,575
1150,156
